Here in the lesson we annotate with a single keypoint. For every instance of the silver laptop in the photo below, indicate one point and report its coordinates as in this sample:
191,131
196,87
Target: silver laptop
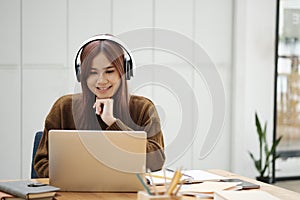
100,161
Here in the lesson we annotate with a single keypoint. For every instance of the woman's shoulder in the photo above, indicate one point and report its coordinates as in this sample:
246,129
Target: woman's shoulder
136,99
67,99
140,102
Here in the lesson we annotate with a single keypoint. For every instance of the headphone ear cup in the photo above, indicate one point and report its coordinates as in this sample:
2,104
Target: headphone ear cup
130,69
126,68
78,72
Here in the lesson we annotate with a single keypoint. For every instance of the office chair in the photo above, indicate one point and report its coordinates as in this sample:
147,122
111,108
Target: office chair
36,143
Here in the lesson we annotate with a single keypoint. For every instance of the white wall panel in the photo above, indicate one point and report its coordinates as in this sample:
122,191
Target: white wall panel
254,79
176,16
44,33
10,33
131,14
214,27
10,136
213,33
10,83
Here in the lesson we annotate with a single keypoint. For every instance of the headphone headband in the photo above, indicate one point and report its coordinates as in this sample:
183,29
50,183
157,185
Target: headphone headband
128,60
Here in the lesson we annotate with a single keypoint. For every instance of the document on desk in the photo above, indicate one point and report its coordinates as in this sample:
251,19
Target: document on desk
209,187
188,176
244,195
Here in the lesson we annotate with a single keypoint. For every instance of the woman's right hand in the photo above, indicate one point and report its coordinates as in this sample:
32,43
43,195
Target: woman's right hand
104,108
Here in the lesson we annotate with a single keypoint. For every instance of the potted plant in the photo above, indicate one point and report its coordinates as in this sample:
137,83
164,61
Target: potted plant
262,164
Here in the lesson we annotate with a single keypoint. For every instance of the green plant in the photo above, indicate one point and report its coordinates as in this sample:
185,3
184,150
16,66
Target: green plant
262,164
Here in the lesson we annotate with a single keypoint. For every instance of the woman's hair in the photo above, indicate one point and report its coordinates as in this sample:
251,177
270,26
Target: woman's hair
86,118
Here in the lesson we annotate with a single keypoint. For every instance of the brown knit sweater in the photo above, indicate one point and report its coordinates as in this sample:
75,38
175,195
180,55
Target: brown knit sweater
142,112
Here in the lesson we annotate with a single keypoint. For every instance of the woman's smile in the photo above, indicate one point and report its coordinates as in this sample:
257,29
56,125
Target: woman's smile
103,89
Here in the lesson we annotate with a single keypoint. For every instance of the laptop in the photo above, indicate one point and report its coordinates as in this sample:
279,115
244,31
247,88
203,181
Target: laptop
97,161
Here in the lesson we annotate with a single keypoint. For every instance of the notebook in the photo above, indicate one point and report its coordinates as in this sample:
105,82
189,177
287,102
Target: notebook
98,161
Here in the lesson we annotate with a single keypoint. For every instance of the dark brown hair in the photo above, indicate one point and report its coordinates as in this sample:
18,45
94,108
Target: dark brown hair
86,118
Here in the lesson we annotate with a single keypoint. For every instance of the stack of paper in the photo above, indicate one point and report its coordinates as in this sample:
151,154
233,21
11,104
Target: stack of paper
208,188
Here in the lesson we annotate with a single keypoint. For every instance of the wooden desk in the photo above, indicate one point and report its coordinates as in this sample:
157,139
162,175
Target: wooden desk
274,190
281,193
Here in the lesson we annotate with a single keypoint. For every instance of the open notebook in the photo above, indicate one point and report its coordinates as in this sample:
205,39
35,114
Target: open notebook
96,160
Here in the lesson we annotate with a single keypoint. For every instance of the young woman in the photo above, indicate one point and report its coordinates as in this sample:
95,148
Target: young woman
104,104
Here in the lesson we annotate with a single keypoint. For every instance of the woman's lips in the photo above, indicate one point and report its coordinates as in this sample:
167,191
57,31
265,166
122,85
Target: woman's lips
103,89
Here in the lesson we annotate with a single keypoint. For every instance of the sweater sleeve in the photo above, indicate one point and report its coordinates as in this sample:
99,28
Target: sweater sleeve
155,143
145,116
41,157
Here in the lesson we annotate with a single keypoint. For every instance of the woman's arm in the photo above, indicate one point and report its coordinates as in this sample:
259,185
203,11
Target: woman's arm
146,118
41,157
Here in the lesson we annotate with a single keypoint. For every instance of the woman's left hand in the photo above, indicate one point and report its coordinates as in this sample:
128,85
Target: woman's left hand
104,108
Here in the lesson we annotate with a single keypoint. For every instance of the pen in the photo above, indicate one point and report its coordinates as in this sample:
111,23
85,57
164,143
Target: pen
144,184
36,184
183,174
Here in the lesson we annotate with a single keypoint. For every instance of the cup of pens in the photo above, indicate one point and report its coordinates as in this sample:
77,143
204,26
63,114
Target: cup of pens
169,191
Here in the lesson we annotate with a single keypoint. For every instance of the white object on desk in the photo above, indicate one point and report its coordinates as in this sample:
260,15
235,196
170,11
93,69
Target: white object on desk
244,195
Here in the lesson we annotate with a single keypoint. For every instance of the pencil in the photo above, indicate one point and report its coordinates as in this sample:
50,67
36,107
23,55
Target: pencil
174,182
159,176
183,174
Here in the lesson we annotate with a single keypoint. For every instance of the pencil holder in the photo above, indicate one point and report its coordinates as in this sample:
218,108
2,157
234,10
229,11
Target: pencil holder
145,196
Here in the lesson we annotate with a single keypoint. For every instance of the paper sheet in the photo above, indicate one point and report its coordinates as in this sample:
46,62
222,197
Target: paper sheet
191,175
208,187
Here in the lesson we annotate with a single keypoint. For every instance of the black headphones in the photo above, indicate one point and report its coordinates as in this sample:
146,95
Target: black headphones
128,59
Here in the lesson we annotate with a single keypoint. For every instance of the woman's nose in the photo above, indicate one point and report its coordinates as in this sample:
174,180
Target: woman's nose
102,78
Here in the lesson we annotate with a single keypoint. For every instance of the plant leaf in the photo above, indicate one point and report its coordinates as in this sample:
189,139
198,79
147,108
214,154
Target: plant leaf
270,153
258,128
257,163
275,144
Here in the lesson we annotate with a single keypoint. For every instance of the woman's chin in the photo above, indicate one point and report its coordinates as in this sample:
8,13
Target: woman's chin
107,96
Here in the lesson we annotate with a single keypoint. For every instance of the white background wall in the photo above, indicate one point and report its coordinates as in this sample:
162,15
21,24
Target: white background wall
39,39
253,78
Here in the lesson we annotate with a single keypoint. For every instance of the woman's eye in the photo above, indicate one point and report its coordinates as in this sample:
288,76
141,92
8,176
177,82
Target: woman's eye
110,71
93,72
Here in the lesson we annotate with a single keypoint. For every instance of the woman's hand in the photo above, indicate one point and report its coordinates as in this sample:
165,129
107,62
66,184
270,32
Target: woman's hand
104,108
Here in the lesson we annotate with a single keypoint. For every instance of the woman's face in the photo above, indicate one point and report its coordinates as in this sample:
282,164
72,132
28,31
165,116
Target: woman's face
104,78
